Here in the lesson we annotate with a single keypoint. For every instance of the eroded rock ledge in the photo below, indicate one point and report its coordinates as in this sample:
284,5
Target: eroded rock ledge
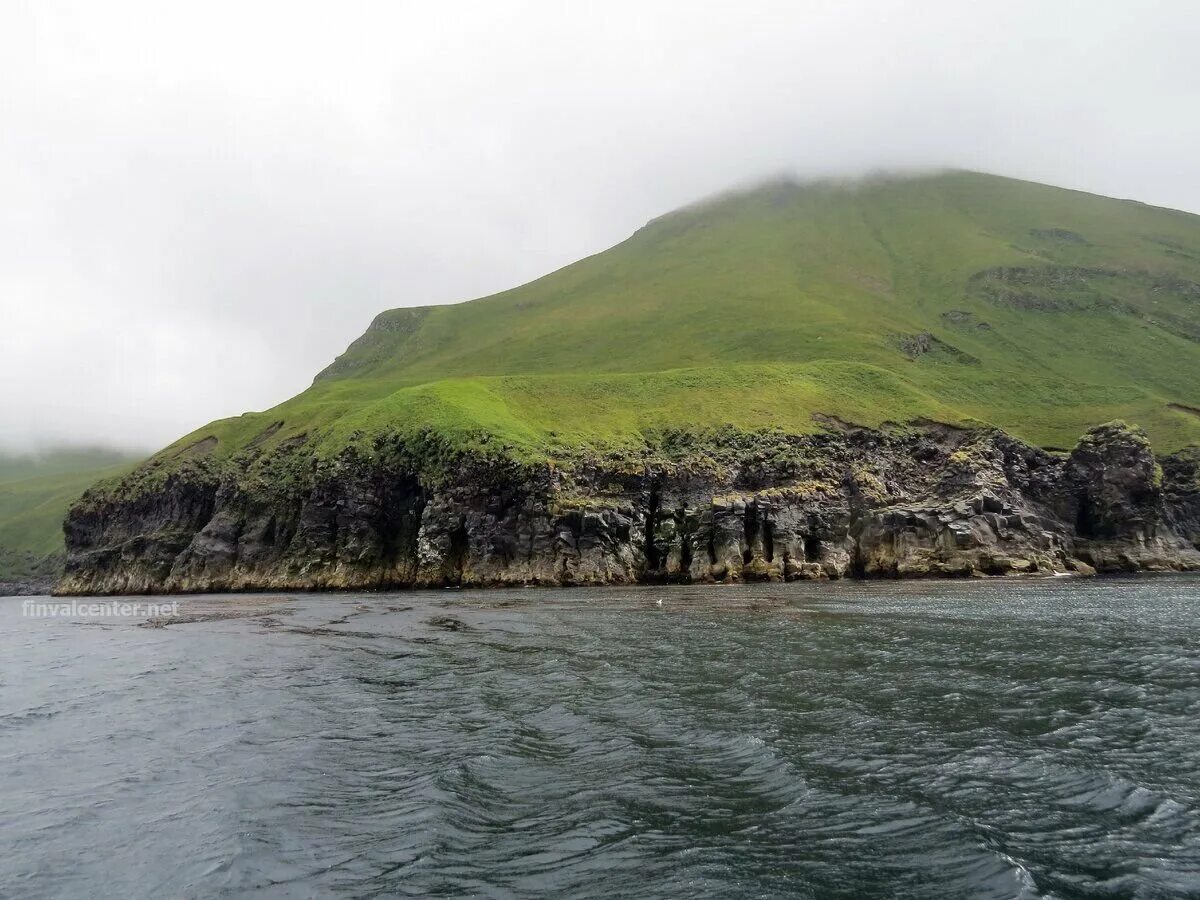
926,500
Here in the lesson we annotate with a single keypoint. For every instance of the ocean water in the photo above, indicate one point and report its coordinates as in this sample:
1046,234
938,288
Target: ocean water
1036,738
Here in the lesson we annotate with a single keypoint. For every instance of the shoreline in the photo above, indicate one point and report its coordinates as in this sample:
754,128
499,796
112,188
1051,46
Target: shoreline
399,588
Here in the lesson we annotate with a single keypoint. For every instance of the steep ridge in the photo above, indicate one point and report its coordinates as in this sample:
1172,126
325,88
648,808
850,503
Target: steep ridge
799,380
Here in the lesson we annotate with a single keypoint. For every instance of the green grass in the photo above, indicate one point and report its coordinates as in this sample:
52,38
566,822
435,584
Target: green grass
764,308
35,492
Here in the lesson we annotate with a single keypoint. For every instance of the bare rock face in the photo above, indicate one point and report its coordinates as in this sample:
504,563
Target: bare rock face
1113,495
1114,485
1181,494
923,501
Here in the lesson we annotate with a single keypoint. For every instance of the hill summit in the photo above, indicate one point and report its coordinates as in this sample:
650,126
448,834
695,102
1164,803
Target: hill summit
748,343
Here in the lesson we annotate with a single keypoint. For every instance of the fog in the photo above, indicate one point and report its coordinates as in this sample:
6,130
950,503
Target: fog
204,203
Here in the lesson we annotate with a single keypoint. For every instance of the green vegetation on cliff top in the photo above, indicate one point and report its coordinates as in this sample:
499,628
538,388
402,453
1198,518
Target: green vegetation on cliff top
957,296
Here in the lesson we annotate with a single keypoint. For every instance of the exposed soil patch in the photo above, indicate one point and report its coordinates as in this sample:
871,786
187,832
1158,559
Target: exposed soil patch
266,434
962,320
923,344
1060,235
200,447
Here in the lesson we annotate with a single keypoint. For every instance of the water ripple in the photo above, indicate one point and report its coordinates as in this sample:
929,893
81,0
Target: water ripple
1003,739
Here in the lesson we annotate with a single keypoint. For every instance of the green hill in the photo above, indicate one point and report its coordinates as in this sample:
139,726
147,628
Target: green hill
35,492
676,408
957,296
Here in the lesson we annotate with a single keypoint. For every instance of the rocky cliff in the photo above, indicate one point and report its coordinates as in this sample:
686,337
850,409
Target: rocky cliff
924,500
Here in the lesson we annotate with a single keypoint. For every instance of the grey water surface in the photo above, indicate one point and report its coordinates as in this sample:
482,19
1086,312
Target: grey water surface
990,739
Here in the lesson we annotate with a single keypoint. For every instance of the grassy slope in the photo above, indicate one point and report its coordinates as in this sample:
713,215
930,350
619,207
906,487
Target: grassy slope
762,308
35,492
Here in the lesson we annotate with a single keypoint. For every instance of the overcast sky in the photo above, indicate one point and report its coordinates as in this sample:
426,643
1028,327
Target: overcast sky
201,204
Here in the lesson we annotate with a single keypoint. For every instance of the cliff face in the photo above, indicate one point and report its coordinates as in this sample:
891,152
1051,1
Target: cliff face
923,501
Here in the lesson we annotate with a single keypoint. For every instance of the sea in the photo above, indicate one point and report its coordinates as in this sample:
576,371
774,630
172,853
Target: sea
985,738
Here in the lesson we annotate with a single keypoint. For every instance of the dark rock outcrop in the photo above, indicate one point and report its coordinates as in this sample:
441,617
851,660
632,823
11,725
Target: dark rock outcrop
31,586
928,500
